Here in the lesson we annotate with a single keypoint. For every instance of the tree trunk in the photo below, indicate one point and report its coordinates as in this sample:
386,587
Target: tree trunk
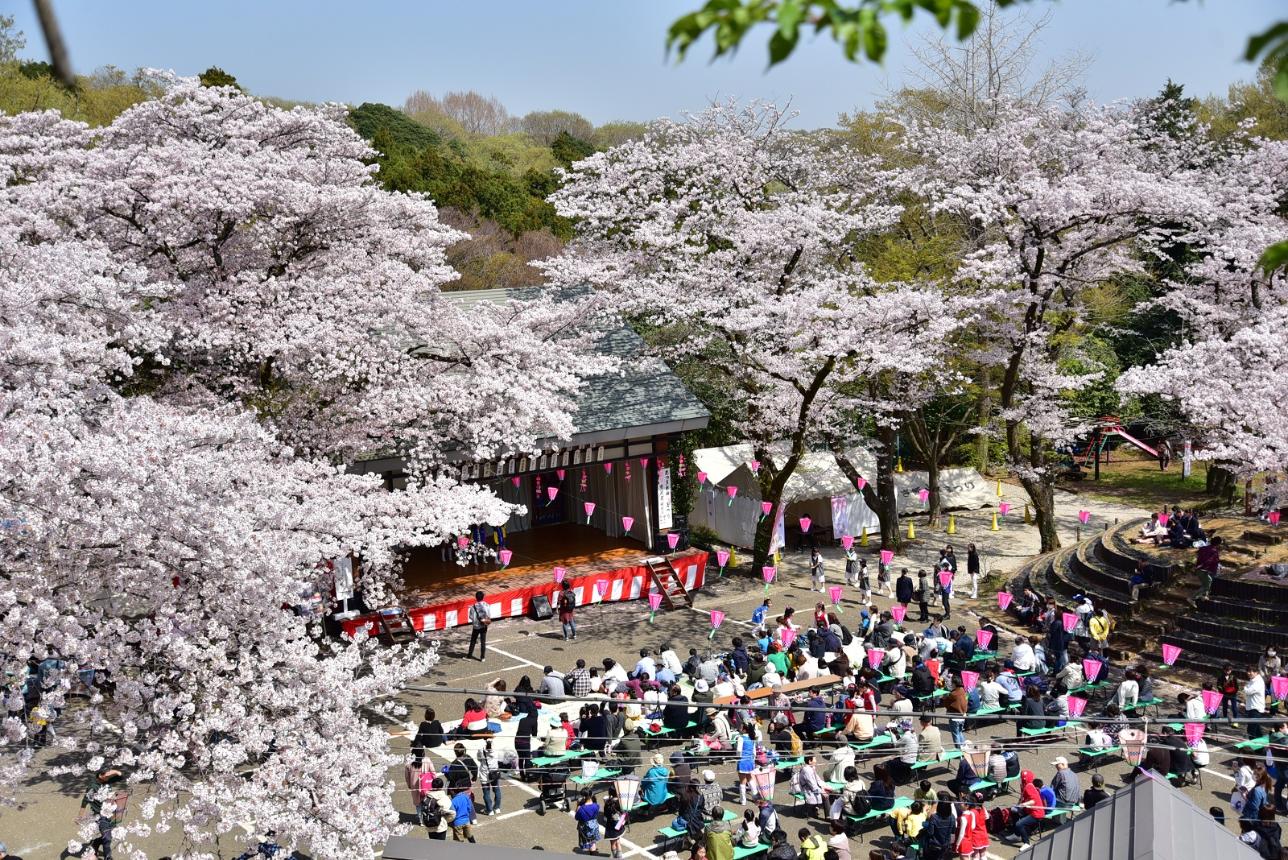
1220,482
885,508
932,469
772,483
982,420
1042,495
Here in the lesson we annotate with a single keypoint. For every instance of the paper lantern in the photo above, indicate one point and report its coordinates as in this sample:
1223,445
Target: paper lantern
834,592
789,636
1193,733
643,462
672,539
462,541
1070,620
768,571
755,467
1162,519
515,480
1279,687
627,522
806,522
1077,705
505,555
983,638
722,557
1084,516
601,587
1004,599
875,656
1091,669
559,473
923,495
626,468
552,492
970,679
945,578
765,508
847,541
732,491
702,478
608,468
717,618
1211,701
589,507
1003,508
654,600
1273,517
860,482
1170,653
887,556
560,573
898,612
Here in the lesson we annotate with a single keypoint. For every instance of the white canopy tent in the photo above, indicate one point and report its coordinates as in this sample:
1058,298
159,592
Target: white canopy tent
817,489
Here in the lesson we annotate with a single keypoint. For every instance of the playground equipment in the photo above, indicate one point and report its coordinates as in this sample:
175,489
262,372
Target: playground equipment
1105,429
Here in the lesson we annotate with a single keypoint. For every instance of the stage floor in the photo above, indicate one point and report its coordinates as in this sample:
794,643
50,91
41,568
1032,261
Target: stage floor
581,549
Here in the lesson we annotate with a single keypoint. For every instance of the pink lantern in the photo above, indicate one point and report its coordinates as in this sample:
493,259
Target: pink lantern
945,578
898,612
722,557
1077,706
875,656
559,473
847,541
1004,599
590,509
834,592
1070,620
732,491
505,555
1170,653
560,573
552,492
969,679
1084,517
887,556
789,636
643,462
755,467
627,522
717,618
860,482
1003,508
1162,519
601,587
462,541
1211,701
1273,517
806,522
923,495
608,468
1193,733
765,508
672,539
768,571
515,480
654,600
702,478
983,638
1279,687
1091,669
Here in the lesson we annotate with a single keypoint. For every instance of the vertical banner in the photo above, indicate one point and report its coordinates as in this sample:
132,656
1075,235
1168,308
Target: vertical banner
778,539
664,516
1187,459
344,578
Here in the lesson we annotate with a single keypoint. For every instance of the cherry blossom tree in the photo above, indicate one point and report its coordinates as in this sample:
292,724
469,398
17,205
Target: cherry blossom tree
209,306
731,238
1057,202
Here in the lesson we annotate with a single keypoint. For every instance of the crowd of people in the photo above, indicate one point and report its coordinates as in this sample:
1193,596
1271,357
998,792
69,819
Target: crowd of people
819,699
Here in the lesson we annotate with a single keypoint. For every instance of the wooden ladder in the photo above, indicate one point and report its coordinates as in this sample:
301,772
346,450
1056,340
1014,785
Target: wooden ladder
668,581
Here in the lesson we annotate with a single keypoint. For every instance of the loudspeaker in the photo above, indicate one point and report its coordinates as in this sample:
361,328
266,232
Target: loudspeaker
541,608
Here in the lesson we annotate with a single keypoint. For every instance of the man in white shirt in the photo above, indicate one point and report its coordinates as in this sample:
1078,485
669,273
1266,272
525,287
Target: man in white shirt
614,674
1254,701
671,660
930,740
646,664
1022,656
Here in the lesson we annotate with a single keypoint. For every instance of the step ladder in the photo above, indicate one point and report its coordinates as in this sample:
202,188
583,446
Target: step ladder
667,581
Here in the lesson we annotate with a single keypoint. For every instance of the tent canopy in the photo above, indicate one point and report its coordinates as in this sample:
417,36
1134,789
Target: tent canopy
1148,820
816,476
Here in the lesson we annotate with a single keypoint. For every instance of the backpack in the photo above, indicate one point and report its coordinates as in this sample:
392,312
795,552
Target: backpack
1012,763
430,813
846,636
862,804
999,820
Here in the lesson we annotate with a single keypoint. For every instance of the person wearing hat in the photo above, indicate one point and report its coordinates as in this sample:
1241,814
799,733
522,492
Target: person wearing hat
710,792
1068,791
557,739
1094,795
653,788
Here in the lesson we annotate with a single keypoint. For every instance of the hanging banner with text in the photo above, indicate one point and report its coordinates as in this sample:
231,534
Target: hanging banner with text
664,517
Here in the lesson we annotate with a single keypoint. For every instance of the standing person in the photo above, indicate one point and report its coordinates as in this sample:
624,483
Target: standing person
946,592
480,617
490,778
1254,701
463,815
587,818
811,786
105,806
1100,626
568,611
851,566
1208,563
865,581
904,589
923,595
972,829
615,821
760,614
883,580
436,810
972,568
816,568
1229,685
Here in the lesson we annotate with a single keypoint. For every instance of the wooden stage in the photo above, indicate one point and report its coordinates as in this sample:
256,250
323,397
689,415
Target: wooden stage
581,549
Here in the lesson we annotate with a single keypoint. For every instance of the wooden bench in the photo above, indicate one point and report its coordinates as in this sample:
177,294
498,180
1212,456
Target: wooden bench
875,814
1096,756
820,683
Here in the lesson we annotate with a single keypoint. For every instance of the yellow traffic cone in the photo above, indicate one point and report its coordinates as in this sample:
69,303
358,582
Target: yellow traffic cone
912,532
778,557
733,557
952,524
999,488
1028,516
898,464
863,537
995,527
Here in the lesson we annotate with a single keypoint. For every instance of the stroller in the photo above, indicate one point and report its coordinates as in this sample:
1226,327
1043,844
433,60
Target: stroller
551,781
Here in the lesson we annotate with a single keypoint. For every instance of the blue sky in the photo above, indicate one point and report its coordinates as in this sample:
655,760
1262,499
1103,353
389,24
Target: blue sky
604,58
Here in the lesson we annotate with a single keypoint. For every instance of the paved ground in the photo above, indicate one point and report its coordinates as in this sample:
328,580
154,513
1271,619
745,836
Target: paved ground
40,826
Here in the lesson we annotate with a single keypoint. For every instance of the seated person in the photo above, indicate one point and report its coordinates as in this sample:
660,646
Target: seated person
1152,532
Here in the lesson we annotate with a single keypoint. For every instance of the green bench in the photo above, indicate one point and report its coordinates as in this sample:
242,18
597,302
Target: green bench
1143,704
873,815
988,712
548,760
741,851
982,657
1047,730
1096,756
1053,816
1254,744
1090,688
982,784
644,804
945,756
788,763
670,834
602,773
664,730
876,742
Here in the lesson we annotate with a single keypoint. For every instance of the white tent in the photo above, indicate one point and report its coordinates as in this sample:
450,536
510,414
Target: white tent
817,489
